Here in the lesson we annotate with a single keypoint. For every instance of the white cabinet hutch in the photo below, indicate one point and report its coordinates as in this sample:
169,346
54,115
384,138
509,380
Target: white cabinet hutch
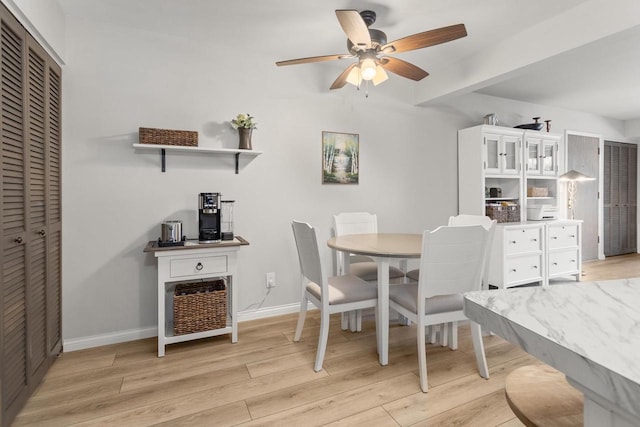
518,167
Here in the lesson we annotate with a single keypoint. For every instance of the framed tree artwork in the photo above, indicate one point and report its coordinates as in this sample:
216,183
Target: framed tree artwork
340,158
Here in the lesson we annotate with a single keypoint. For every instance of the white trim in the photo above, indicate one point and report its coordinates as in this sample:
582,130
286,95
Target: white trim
82,343
31,29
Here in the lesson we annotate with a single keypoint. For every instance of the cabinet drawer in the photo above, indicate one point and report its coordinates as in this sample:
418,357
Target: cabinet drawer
524,268
565,262
518,241
563,236
198,266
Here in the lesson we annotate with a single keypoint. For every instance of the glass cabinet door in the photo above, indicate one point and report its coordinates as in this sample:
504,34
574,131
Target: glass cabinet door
511,155
549,160
492,153
533,157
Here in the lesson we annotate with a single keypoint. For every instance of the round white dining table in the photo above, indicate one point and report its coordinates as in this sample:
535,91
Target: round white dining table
382,248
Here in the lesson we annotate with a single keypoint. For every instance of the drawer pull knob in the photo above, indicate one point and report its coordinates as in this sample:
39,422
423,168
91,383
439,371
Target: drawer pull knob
535,267
555,263
554,237
18,240
199,266
573,260
534,240
513,242
572,235
513,270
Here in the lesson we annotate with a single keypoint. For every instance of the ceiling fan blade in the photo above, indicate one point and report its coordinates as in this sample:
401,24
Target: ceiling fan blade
354,27
403,68
342,78
426,39
312,59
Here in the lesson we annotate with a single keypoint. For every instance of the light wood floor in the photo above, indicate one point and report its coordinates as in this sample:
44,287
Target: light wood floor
266,379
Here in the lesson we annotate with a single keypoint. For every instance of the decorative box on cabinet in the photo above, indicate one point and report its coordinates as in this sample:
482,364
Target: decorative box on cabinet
564,253
517,255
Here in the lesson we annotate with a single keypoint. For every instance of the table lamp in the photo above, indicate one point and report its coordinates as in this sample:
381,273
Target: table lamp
572,178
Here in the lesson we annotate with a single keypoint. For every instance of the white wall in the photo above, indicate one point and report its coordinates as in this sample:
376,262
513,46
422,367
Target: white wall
115,198
45,21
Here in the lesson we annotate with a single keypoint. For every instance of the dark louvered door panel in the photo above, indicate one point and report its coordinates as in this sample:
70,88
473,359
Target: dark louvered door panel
15,379
37,224
54,209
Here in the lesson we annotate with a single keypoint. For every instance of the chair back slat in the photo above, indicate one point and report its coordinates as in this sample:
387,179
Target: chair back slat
352,223
309,254
489,224
452,260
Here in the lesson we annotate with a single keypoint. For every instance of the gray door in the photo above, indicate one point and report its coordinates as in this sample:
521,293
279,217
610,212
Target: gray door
583,156
620,198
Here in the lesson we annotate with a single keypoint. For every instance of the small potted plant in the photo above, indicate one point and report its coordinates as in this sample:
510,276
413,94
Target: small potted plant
245,125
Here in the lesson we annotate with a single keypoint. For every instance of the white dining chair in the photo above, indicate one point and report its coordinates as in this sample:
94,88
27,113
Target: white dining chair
361,266
451,263
335,294
449,332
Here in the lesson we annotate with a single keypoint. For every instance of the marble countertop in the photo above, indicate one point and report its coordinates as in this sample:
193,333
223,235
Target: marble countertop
588,330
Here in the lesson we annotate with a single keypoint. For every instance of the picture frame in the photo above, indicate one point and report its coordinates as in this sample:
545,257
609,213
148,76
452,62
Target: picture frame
340,158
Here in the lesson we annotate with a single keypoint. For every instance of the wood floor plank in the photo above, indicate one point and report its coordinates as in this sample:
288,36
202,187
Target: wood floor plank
220,416
421,406
341,405
489,410
373,417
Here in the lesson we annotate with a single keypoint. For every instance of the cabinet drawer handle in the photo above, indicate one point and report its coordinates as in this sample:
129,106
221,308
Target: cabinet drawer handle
554,237
534,240
513,270
513,242
534,267
199,266
18,240
572,235
42,232
573,260
555,263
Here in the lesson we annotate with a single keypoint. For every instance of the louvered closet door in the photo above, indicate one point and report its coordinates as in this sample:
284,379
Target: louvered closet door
14,238
30,332
620,198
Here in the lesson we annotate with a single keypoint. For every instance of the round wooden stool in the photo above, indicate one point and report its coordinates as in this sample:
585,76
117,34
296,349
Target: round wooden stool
541,396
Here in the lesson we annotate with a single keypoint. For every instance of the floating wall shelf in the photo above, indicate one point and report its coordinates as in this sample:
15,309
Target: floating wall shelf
215,151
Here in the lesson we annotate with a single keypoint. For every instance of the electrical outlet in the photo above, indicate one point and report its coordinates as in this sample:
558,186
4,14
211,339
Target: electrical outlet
270,279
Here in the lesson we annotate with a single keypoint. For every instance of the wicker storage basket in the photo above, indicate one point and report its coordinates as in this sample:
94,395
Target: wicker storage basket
500,213
537,192
199,306
168,137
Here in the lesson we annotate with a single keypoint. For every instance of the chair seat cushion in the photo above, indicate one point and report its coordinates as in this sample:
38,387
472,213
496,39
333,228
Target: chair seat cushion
345,289
407,296
414,274
369,271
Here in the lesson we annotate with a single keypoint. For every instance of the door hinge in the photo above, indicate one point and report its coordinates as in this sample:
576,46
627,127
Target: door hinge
598,239
598,151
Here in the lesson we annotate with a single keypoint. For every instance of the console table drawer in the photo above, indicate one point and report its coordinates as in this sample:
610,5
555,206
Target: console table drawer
524,268
523,240
565,262
563,236
198,266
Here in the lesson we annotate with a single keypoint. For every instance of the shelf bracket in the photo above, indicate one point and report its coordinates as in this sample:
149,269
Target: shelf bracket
163,155
237,160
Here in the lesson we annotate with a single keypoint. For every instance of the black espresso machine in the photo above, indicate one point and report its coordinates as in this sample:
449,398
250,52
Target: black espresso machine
209,217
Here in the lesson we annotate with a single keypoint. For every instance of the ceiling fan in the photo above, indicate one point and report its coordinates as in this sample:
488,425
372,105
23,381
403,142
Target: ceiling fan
370,47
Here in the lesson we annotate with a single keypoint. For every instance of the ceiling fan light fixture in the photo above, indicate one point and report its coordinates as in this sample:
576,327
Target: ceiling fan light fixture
380,76
368,68
354,76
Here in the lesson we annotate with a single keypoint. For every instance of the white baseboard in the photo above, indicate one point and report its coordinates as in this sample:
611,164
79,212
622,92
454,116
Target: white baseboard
82,343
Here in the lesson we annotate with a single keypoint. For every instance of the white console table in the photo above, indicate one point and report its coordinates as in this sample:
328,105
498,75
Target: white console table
194,261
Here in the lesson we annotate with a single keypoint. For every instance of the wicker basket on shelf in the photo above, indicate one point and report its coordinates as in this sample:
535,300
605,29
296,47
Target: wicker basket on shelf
168,137
199,306
509,213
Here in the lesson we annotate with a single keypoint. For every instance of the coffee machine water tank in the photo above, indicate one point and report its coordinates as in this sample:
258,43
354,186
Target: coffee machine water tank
227,219
209,217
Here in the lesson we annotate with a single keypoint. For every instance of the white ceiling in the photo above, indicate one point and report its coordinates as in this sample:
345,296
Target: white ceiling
562,53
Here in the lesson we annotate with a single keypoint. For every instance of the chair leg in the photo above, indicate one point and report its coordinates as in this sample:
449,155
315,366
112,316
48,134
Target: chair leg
444,334
478,346
353,322
433,333
453,335
301,317
322,340
422,356
359,321
344,320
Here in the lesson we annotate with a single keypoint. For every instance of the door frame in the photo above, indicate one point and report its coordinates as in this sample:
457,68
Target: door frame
563,192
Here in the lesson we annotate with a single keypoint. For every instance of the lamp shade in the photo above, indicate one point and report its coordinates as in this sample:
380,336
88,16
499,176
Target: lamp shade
574,175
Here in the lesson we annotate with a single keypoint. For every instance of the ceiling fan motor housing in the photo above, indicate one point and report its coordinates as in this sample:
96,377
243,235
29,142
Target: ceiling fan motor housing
378,38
